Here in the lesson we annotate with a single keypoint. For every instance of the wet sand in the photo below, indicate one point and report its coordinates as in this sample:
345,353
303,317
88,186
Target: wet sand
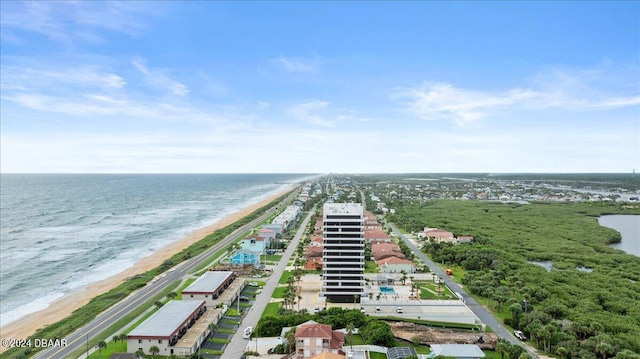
63,307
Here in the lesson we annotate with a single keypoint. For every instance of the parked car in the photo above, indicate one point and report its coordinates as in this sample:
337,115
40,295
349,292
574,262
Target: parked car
399,310
520,335
362,310
271,351
244,298
316,310
253,284
378,310
247,332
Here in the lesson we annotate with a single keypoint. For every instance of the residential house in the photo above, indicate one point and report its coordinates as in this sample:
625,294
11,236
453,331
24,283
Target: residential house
313,255
254,244
313,339
383,250
396,265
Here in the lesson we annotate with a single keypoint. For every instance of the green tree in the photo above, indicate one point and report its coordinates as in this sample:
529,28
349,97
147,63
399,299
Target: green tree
502,348
562,352
515,310
604,349
123,338
101,345
403,278
627,354
139,353
158,304
115,339
350,328
172,295
154,350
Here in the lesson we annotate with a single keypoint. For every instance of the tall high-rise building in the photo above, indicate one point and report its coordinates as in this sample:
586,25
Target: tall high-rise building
343,254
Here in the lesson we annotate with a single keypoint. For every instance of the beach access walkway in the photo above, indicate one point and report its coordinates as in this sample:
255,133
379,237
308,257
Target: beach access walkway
236,348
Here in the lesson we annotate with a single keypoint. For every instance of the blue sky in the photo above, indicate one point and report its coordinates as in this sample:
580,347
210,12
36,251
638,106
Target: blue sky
319,87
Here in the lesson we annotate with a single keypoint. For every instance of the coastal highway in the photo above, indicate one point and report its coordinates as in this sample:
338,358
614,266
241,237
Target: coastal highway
483,314
78,340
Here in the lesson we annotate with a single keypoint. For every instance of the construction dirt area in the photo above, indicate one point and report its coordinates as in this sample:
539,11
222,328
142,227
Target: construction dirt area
411,332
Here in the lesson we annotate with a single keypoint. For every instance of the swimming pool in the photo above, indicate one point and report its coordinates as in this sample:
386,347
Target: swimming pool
387,290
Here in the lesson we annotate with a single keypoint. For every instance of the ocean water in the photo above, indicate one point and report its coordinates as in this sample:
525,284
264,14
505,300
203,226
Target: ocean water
61,233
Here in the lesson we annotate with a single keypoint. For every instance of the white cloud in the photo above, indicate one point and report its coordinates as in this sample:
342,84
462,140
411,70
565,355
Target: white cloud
553,89
321,114
57,77
158,78
70,21
293,64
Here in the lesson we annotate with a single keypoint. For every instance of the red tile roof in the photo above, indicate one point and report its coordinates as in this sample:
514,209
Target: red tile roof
393,260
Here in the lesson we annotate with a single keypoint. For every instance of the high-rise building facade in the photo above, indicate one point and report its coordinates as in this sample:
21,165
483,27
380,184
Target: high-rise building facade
343,254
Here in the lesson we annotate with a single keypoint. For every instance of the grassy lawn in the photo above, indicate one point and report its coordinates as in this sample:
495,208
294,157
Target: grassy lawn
224,330
212,352
218,340
279,292
271,310
357,340
371,267
374,355
186,284
232,312
458,272
285,277
273,257
428,288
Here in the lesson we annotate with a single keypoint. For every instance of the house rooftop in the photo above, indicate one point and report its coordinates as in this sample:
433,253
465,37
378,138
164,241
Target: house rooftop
354,209
457,350
208,282
167,319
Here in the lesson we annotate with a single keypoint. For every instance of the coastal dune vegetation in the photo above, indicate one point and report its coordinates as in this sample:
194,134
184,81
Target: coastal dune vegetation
587,305
88,312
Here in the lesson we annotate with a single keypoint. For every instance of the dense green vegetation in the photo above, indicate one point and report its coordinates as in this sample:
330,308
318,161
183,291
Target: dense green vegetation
590,315
100,303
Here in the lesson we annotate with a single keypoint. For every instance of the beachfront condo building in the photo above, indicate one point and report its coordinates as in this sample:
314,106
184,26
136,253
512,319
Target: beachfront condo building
343,253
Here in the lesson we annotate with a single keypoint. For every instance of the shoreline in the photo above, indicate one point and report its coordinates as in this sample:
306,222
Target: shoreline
63,307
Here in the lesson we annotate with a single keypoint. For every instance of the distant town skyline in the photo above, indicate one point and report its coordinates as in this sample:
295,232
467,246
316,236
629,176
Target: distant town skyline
264,87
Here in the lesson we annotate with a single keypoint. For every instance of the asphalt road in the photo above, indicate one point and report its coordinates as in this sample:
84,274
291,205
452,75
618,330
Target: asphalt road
78,340
483,314
236,348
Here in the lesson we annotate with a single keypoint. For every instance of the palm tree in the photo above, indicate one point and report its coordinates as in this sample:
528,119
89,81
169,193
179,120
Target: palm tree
604,349
350,328
115,339
123,338
101,345
562,352
502,348
154,350
403,279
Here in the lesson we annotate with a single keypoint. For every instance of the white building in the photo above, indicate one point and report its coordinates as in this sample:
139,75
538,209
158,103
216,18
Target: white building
288,217
179,328
458,351
209,287
343,254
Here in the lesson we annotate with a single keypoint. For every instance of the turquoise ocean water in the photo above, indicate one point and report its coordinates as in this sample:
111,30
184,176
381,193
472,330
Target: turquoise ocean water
61,233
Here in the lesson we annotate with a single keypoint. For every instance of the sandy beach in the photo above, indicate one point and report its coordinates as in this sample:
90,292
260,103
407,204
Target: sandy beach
65,306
